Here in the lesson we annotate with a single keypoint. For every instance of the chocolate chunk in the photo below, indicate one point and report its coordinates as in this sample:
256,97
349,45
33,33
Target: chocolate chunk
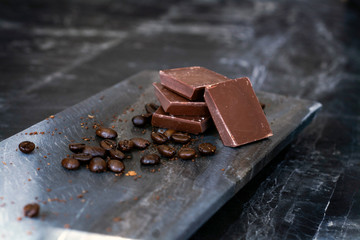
95,151
166,151
187,153
82,157
206,149
139,121
116,154
106,132
151,107
97,164
180,137
70,163
76,147
31,210
189,82
140,143
236,112
190,124
158,138
115,166
168,133
174,104
26,147
150,159
125,145
108,144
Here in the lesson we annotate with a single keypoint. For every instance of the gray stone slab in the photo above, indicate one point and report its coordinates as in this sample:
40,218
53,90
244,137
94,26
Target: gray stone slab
169,201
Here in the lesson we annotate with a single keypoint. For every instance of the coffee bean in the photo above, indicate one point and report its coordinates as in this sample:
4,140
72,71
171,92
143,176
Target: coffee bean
76,147
31,210
95,151
147,116
108,144
106,132
187,153
82,157
150,159
116,154
125,145
97,164
206,149
168,133
166,151
70,163
158,138
151,107
140,143
26,146
139,121
115,165
180,137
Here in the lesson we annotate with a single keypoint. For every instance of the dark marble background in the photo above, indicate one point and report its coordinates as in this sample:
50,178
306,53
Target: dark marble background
54,54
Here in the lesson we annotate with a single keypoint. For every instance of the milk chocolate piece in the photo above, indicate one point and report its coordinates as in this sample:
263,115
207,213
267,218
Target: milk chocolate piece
190,82
190,124
176,105
236,112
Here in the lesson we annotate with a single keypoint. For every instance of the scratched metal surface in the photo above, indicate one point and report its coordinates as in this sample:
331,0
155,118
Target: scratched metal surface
170,203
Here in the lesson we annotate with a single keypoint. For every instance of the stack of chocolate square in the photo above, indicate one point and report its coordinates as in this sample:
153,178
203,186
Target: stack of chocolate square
190,97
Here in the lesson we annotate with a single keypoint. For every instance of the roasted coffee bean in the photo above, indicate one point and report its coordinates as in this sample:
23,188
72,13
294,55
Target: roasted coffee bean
168,133
140,143
159,138
125,145
147,116
150,159
115,165
82,157
106,132
97,164
166,151
76,147
31,210
26,146
187,153
180,137
70,163
206,149
95,151
139,121
108,144
116,154
151,107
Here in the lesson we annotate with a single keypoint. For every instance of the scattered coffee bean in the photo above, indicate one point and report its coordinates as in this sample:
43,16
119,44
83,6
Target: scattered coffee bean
158,138
106,132
115,165
262,105
26,147
166,151
139,121
31,210
180,137
150,159
206,149
97,164
116,154
140,143
187,153
168,133
147,116
151,107
70,163
125,145
95,151
108,144
82,157
76,147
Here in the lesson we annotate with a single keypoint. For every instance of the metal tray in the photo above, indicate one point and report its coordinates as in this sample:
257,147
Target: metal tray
169,201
